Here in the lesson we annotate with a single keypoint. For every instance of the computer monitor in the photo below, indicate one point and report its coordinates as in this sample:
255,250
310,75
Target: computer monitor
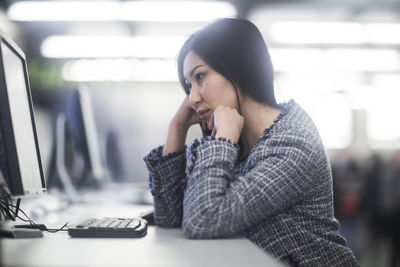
81,120
77,161
20,161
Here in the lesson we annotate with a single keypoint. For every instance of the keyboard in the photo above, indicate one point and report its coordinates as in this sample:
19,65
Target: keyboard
109,227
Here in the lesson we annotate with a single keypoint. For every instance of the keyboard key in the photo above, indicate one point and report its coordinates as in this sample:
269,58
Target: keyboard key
124,224
105,223
133,224
114,224
95,224
86,223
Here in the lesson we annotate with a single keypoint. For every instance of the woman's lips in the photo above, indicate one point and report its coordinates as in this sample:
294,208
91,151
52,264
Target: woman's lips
203,114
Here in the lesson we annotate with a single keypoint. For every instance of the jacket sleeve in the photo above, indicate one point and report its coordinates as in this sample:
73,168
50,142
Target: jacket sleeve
218,203
166,181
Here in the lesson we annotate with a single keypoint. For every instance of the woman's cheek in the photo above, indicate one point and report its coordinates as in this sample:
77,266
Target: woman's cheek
205,94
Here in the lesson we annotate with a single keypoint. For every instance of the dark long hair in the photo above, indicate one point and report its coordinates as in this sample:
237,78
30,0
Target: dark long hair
236,49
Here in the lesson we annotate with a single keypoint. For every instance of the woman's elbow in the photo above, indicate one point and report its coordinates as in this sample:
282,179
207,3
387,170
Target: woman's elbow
193,231
199,227
196,225
201,224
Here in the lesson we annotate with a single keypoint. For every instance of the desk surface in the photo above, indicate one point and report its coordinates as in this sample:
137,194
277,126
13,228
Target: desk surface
160,247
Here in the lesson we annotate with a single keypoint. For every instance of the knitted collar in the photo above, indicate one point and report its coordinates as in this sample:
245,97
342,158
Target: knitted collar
285,108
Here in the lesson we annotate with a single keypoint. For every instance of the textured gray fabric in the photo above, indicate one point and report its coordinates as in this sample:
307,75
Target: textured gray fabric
280,197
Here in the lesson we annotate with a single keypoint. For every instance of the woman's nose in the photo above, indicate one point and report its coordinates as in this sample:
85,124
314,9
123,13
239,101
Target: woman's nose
195,97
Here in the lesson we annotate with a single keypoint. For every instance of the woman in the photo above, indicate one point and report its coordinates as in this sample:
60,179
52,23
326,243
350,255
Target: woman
263,171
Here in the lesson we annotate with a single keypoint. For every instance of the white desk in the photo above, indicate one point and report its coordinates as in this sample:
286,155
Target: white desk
160,247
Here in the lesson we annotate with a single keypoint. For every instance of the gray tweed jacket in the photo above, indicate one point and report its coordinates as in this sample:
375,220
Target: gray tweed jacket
280,196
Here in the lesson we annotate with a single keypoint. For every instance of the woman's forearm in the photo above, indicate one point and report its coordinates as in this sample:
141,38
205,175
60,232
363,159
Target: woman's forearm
166,176
176,138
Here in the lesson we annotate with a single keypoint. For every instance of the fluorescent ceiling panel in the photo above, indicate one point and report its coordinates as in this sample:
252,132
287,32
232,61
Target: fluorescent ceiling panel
68,46
383,33
284,59
321,32
317,32
196,11
336,60
120,70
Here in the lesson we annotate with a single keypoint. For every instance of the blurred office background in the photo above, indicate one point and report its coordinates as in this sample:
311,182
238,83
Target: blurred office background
339,59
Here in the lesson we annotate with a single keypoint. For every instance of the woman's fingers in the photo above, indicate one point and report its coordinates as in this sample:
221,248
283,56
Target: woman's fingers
213,132
228,123
210,123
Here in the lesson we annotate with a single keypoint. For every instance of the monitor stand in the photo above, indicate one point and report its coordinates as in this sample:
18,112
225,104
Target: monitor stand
8,230
7,225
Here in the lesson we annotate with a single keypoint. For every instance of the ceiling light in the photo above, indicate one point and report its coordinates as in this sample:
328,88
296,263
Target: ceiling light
84,70
196,11
335,60
317,32
321,32
383,33
67,46
362,60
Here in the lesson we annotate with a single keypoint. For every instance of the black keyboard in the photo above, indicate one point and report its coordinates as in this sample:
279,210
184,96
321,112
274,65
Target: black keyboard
109,227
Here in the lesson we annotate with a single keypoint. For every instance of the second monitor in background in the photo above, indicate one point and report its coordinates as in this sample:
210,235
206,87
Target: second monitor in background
87,159
77,159
81,118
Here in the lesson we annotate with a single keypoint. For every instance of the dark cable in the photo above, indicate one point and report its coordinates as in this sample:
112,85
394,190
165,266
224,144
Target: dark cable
59,229
6,206
17,206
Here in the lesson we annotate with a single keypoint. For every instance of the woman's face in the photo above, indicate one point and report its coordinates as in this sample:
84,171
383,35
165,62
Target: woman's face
208,88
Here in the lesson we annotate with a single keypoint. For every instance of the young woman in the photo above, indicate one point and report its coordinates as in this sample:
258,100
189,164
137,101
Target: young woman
262,172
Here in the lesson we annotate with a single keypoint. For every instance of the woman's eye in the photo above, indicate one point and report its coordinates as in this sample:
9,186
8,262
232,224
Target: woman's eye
199,76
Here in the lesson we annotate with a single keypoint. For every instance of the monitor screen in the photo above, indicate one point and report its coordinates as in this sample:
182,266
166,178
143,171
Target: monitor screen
22,168
89,140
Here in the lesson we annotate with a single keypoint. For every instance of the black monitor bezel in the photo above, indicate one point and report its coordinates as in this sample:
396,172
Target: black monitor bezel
11,172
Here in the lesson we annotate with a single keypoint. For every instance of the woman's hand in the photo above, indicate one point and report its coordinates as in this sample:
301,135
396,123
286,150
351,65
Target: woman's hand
185,117
226,122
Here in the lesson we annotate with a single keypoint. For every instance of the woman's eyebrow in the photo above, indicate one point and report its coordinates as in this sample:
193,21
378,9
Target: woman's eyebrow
192,71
